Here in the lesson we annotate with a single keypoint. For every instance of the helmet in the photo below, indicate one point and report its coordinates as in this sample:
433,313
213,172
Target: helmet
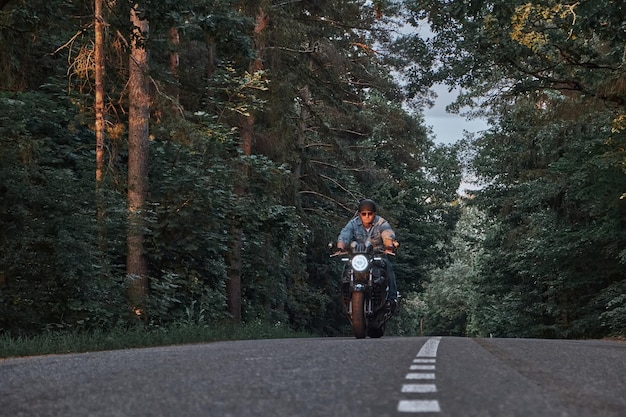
367,204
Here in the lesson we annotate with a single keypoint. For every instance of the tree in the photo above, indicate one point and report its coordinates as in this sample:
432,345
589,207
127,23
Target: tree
138,141
247,125
554,195
99,91
496,51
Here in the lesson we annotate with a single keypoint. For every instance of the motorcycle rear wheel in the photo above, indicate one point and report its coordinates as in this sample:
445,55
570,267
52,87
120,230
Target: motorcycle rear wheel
358,315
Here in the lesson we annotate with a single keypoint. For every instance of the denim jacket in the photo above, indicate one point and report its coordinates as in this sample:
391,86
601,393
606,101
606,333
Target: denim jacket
355,231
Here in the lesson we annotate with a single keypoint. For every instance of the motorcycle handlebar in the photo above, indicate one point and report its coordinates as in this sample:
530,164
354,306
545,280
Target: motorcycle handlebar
387,252
346,251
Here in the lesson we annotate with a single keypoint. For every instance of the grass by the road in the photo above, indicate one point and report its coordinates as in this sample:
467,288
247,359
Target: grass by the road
136,337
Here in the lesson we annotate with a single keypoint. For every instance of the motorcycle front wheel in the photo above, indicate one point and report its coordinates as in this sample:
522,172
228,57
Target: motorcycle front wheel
358,314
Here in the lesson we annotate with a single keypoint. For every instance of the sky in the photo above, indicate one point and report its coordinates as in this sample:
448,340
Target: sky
448,128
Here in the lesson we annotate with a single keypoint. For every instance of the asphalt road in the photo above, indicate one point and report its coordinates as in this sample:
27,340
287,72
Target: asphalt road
326,377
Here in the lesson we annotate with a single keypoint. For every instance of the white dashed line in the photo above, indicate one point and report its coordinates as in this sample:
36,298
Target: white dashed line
429,350
421,388
422,367
419,406
425,361
420,376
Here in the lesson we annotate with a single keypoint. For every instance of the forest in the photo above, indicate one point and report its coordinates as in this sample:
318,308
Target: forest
189,161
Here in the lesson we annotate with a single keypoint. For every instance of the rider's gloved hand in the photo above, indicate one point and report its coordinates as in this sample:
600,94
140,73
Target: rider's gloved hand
390,245
341,247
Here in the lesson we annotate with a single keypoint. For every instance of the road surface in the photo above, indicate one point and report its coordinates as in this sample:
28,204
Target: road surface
326,377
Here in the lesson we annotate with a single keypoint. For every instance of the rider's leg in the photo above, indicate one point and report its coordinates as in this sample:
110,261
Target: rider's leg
393,288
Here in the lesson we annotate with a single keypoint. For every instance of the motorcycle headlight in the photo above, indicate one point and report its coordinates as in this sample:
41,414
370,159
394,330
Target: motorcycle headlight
359,263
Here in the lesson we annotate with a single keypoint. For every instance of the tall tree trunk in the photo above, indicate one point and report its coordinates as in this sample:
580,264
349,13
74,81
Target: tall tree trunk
99,123
233,285
211,65
174,40
138,141
99,100
303,125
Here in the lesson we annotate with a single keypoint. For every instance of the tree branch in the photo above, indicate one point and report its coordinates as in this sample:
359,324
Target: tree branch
325,197
315,161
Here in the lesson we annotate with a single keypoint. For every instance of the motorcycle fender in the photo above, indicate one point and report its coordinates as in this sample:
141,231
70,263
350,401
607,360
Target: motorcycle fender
358,288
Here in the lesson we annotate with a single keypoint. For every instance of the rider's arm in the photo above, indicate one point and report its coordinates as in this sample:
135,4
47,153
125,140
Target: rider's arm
389,237
346,235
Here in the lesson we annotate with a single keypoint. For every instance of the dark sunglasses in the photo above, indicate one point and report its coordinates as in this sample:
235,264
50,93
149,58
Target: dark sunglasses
366,213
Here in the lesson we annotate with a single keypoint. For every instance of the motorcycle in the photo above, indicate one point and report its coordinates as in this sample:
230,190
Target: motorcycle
364,289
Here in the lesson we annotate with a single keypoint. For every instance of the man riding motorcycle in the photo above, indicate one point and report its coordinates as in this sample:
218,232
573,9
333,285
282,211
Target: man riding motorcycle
368,226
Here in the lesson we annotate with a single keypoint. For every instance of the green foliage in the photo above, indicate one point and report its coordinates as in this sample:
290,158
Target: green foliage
560,226
139,337
613,300
176,299
32,33
49,258
449,301
518,47
550,77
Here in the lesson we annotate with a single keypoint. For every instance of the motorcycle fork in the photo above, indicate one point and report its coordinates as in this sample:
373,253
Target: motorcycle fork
358,286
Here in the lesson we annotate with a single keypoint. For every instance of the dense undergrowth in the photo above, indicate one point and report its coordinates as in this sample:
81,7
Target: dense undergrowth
139,336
